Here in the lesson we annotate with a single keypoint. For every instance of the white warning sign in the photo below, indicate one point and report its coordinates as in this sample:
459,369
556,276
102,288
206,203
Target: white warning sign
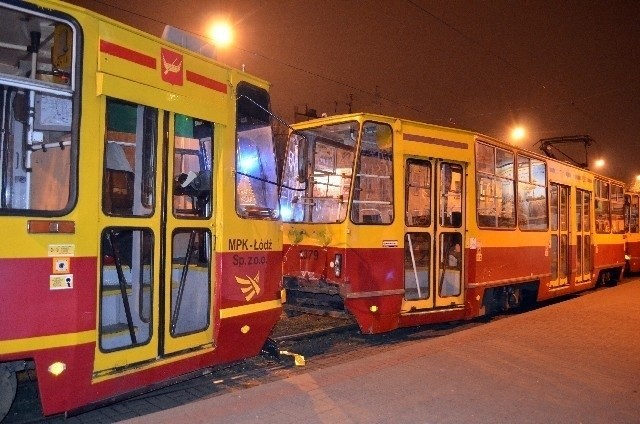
60,281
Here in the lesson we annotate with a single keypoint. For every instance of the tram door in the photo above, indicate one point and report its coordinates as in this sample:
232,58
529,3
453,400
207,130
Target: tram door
583,236
433,240
559,252
155,262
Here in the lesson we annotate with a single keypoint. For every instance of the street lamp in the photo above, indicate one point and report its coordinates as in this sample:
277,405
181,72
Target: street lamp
518,133
599,163
221,34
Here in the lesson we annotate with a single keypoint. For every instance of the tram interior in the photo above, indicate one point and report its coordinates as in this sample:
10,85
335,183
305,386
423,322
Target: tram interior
36,56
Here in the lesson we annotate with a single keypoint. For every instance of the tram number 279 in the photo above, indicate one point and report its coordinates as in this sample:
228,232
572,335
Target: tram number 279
309,254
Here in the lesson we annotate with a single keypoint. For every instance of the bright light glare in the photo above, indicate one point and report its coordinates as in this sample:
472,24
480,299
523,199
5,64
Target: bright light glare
599,163
286,213
221,34
57,368
518,133
247,163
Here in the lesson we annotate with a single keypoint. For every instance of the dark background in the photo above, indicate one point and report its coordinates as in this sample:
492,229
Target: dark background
558,68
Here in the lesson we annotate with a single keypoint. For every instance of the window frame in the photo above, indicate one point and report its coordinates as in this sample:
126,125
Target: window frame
494,177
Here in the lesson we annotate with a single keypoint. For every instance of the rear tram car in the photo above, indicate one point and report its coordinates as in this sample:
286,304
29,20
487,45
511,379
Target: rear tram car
398,223
632,225
122,155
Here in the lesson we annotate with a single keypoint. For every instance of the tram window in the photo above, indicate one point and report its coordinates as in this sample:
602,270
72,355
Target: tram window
126,295
617,209
451,264
129,160
417,258
373,192
256,177
495,187
190,289
532,194
450,195
418,195
633,215
37,150
602,207
192,167
326,161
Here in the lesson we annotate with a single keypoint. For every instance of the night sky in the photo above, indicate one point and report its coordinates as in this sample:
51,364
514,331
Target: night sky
558,68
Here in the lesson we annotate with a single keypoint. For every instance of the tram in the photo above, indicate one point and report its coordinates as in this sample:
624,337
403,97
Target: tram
138,209
399,223
632,226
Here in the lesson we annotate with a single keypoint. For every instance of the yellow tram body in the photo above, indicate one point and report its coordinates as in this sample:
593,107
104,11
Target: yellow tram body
138,211
397,223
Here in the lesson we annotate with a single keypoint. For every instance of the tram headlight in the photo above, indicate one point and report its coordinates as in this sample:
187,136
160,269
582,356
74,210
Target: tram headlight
57,368
337,264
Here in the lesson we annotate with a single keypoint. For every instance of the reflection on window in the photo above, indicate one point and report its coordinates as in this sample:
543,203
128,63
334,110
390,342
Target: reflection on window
192,168
602,208
190,281
495,187
451,260
126,295
37,100
129,168
417,257
633,215
450,195
617,209
318,173
373,186
532,194
418,183
256,178
583,222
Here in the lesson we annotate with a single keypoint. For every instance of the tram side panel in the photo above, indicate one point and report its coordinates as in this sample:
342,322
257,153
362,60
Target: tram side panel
70,305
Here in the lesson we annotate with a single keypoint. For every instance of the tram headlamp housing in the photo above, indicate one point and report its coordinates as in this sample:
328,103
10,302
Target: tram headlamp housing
57,368
337,264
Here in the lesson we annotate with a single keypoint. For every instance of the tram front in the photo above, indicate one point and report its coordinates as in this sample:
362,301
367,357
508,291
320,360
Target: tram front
336,205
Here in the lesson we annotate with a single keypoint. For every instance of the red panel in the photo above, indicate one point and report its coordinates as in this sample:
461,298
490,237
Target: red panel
508,263
633,250
310,262
249,277
608,255
73,389
29,308
374,269
206,82
127,54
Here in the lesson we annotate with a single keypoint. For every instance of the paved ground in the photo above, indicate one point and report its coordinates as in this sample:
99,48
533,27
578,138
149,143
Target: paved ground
577,361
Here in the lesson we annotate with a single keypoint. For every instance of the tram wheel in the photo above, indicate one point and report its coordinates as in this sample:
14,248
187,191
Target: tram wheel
8,387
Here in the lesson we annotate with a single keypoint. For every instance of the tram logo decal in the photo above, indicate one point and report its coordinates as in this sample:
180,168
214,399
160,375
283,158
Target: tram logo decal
250,286
171,67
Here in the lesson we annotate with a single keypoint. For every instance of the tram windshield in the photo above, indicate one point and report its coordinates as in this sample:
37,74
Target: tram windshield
36,102
319,174
317,177
256,176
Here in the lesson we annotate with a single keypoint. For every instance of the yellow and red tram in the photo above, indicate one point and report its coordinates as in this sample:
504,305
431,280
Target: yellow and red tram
138,208
632,225
400,223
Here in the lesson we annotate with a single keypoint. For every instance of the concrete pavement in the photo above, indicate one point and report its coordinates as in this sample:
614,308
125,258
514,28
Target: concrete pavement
577,361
